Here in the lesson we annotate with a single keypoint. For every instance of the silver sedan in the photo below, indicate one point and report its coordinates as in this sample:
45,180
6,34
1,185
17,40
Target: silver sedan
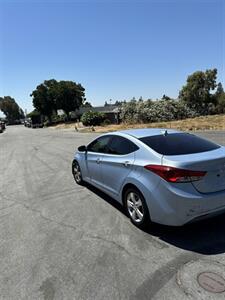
164,176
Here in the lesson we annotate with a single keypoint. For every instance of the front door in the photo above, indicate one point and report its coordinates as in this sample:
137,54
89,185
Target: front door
94,158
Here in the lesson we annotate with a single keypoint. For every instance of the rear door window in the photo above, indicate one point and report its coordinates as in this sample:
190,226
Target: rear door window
178,144
121,146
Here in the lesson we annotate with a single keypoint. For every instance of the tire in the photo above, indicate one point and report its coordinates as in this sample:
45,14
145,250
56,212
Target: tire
76,171
136,207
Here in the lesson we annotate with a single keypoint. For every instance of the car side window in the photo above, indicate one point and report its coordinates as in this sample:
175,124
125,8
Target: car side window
121,146
100,145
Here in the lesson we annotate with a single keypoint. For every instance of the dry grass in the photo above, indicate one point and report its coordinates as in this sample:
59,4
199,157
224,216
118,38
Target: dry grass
216,122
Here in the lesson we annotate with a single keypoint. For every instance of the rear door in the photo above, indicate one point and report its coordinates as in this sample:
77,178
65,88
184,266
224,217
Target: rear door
117,163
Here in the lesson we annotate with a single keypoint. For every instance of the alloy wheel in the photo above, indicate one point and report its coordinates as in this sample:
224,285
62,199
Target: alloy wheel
135,207
77,173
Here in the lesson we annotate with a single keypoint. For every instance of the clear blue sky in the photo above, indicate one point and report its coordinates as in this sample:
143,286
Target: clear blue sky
115,49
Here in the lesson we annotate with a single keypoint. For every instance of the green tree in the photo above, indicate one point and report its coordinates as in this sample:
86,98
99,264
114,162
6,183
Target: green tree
119,103
220,99
108,104
221,104
164,97
44,97
219,90
11,109
197,91
87,104
34,113
70,96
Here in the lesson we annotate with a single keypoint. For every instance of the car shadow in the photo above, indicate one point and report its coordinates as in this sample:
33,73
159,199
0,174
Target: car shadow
204,237
105,197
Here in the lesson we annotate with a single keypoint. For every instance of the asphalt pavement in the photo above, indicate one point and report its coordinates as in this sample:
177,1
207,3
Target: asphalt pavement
59,240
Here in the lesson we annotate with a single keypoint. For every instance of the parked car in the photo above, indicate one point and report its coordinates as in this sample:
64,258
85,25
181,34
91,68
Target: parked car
27,123
37,125
37,121
3,125
164,176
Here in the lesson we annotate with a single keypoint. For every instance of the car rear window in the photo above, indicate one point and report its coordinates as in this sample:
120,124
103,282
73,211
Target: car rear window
178,144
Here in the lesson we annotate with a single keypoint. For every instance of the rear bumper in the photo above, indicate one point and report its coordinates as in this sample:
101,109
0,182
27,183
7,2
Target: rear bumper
178,204
211,214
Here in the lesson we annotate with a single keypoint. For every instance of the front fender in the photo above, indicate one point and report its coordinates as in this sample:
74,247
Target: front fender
80,158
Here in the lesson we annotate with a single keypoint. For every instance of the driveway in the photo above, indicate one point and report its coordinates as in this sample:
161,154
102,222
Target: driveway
59,240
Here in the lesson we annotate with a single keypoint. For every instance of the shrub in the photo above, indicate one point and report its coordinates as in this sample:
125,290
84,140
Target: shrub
106,122
155,111
92,118
58,119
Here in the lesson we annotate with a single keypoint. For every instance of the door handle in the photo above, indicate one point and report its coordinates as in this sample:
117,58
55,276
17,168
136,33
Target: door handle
126,163
98,160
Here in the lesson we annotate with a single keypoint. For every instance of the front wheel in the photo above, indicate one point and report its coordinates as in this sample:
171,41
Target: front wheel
136,207
77,173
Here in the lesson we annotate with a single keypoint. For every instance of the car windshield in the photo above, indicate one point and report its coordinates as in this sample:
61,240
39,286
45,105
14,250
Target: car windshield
178,144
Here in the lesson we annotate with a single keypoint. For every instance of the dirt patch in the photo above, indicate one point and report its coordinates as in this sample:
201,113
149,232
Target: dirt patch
216,122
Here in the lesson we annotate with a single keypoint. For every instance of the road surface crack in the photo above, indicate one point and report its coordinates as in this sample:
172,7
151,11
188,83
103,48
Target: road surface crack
84,234
9,206
47,218
116,244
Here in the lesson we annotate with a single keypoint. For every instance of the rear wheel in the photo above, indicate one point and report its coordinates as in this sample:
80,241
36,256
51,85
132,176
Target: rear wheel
136,207
77,173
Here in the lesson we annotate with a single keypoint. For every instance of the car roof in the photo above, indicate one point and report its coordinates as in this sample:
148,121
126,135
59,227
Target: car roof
143,132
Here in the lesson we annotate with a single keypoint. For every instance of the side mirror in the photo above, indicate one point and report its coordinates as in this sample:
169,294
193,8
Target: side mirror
82,148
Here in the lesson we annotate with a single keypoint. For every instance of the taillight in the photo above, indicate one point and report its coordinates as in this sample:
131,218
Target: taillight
172,174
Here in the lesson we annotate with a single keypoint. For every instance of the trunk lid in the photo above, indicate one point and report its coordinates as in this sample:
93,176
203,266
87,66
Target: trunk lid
213,162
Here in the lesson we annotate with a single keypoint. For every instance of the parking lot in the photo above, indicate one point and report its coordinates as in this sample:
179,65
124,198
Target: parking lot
59,240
